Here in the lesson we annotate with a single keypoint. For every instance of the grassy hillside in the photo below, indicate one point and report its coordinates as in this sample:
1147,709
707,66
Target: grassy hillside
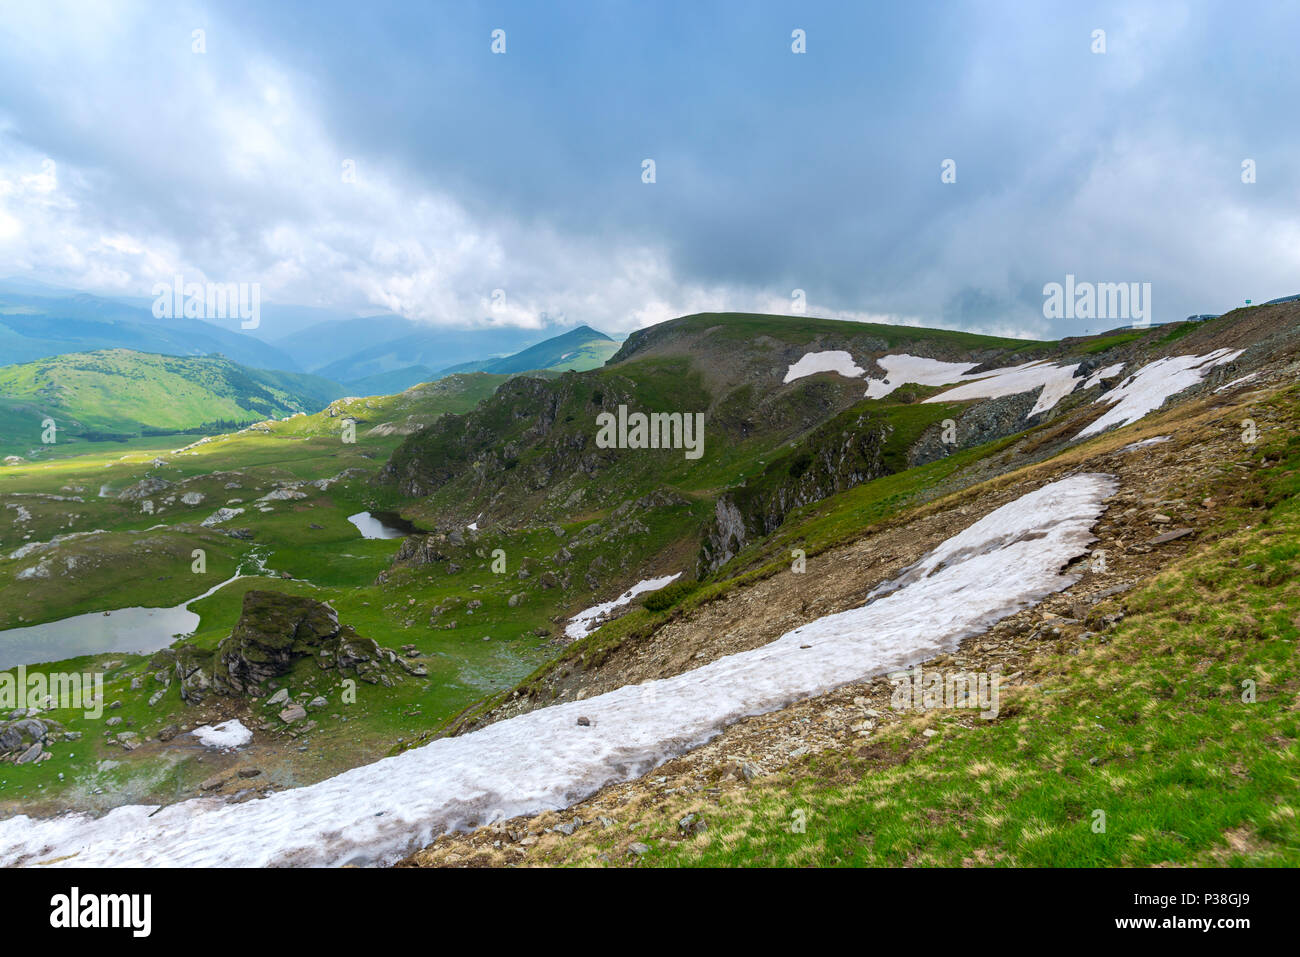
389,383
736,329
117,394
1173,713
811,462
1160,691
529,453
578,350
127,556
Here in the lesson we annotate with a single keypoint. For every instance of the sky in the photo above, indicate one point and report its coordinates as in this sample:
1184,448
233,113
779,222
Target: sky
381,156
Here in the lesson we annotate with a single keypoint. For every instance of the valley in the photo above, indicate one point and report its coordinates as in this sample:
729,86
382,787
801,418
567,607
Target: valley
460,528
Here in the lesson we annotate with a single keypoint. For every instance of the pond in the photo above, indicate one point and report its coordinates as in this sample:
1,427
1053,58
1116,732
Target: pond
126,630
382,525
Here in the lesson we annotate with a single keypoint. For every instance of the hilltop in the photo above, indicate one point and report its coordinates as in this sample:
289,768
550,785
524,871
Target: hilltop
576,350
117,394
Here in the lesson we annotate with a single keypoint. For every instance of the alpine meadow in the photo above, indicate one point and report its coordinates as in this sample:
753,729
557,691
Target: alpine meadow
626,437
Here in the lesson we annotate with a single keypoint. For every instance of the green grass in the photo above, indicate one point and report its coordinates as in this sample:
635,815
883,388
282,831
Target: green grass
1102,343
135,564
743,327
1147,723
119,393
814,528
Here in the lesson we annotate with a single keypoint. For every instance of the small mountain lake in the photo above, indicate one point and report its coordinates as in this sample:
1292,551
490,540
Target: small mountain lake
382,525
130,630
127,630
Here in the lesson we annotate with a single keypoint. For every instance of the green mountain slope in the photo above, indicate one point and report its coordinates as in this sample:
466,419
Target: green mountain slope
578,350
33,327
536,438
483,463
119,393
528,455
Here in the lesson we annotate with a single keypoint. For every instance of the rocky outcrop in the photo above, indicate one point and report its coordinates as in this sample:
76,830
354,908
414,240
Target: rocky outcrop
274,632
982,422
842,454
143,489
24,740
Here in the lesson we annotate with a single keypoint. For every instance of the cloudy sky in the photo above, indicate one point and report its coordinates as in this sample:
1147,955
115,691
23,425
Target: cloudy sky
126,156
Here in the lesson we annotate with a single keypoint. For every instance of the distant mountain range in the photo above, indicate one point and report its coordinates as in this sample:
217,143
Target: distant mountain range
35,326
105,368
358,349
579,349
371,355
116,394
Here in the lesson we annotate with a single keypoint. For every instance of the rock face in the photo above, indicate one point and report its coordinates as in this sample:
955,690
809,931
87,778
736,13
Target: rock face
23,740
983,422
221,515
847,451
274,631
417,550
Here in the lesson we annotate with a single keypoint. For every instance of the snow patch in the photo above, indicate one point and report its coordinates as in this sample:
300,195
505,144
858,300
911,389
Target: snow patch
902,368
1106,373
834,360
1237,382
1006,561
1147,389
1145,443
1056,382
589,619
228,734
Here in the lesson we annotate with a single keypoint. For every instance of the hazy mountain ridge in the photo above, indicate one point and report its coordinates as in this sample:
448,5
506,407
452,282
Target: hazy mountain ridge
120,393
577,350
34,327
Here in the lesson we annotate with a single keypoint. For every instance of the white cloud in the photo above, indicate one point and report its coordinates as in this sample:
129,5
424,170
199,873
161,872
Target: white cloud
242,183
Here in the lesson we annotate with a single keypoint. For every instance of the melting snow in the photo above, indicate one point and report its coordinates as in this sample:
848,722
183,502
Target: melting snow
1106,373
1146,390
586,621
1057,382
1006,561
1236,382
903,368
835,360
228,734
1144,443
